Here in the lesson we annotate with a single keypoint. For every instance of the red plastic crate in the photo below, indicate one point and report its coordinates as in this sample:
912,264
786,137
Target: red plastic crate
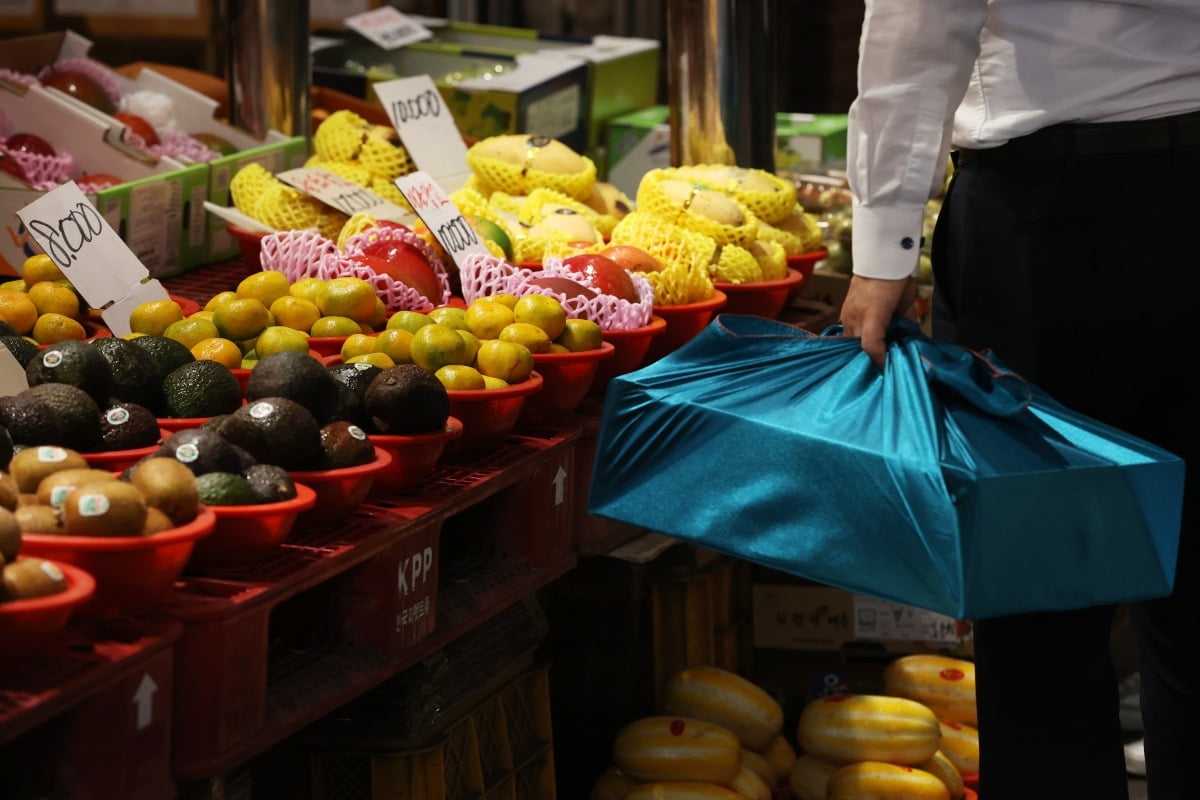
92,720
271,648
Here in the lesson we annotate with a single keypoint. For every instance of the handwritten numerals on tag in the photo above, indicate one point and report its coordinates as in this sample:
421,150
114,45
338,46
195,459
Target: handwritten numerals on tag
457,235
410,109
65,237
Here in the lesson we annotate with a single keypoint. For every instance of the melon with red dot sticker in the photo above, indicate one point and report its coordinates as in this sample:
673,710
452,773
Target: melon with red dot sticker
668,748
943,683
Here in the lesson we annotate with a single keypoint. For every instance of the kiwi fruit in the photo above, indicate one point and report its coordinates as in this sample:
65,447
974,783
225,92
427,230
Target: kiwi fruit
32,577
168,485
157,521
10,495
29,466
104,508
55,487
10,535
35,518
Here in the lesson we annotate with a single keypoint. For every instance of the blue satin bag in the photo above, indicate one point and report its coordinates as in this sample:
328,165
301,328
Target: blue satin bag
943,481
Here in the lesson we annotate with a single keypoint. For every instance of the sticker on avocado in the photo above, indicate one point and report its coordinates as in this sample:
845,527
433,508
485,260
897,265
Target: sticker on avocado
92,505
51,571
357,433
362,366
52,358
51,455
262,410
117,416
187,453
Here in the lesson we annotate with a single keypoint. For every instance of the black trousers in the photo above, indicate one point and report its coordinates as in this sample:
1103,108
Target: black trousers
1083,274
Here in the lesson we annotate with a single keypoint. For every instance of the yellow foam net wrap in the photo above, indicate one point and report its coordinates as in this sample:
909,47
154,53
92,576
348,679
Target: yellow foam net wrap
683,210
736,265
768,196
507,203
684,254
470,200
354,226
248,183
545,201
519,176
790,242
805,227
340,136
330,222
351,172
384,159
286,209
772,258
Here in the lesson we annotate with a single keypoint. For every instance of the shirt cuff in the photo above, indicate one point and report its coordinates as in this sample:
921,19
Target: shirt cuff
886,242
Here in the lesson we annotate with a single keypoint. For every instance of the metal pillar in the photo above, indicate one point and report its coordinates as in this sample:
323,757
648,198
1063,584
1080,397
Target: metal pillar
269,71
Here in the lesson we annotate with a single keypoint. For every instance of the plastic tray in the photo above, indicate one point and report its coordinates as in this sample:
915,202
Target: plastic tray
683,322
247,534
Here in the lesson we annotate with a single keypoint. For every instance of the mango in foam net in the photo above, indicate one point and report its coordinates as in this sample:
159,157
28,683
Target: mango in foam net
248,184
768,196
542,202
805,226
520,163
384,159
790,242
771,257
286,209
684,254
736,265
340,136
696,207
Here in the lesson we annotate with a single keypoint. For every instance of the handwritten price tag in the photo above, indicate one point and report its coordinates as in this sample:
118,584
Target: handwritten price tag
445,221
13,378
426,126
83,245
346,196
388,28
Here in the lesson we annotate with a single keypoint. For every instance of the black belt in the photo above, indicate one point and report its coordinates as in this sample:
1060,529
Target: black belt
1094,140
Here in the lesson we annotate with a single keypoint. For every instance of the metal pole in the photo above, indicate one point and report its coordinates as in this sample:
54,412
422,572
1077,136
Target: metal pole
269,71
721,82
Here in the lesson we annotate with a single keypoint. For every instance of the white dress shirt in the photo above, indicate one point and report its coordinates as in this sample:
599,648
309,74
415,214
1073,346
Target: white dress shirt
976,73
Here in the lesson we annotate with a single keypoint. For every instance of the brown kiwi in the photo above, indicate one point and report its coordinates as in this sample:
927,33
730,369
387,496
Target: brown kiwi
29,466
32,577
156,521
9,493
10,535
55,487
169,485
27,499
104,508
34,518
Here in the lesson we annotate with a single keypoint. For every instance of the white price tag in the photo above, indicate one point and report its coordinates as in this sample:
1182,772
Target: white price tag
116,316
426,126
243,221
444,220
346,196
85,247
13,379
388,28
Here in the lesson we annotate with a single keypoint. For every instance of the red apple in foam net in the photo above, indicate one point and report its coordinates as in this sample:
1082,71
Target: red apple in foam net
605,274
139,126
30,143
564,286
100,180
408,267
82,87
634,259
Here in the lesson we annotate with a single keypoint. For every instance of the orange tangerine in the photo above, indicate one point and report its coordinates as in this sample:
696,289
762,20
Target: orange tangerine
347,297
51,328
220,350
154,316
40,267
295,312
18,310
266,286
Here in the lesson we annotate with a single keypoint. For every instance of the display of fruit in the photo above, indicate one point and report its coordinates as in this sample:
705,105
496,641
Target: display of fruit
82,86
727,699
26,578
43,305
945,684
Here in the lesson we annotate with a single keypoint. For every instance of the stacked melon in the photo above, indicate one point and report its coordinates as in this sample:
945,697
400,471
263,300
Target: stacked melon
916,741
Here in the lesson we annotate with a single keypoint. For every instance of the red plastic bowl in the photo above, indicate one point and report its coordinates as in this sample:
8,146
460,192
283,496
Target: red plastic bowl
249,243
804,262
488,414
566,377
970,794
413,456
339,491
683,322
29,627
971,781
761,298
176,424
325,346
630,349
245,535
133,573
117,460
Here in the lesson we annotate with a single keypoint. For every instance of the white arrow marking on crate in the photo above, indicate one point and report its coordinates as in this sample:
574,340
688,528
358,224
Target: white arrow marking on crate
143,698
560,479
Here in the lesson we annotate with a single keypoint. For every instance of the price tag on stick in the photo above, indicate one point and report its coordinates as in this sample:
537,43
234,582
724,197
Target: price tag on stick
346,196
426,127
387,27
444,220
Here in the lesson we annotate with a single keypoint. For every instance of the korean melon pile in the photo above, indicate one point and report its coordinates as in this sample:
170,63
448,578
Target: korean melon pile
720,737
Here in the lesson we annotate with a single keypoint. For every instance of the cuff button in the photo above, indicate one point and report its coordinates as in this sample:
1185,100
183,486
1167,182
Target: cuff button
907,243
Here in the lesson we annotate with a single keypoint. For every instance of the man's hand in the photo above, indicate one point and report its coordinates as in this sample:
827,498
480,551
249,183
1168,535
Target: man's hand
870,305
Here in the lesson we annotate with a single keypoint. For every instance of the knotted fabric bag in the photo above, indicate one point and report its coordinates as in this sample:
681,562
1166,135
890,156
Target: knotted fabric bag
943,481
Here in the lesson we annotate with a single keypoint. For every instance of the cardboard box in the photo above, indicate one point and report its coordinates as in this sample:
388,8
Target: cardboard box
810,616
488,94
156,211
641,141
622,72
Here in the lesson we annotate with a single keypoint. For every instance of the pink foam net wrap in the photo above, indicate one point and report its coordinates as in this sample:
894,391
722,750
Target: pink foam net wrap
93,69
19,78
308,254
41,172
177,144
387,233
485,275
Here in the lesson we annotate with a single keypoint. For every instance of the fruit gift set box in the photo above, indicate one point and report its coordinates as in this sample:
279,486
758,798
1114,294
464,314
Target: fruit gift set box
151,118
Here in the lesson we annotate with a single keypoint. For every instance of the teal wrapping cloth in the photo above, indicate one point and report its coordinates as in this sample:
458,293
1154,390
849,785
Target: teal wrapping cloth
943,481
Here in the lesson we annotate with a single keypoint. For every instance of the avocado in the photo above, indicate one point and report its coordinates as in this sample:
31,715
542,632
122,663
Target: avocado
169,486
74,363
167,353
127,426
272,484
201,388
104,508
79,414
407,399
136,376
276,430
297,376
30,421
6,447
22,349
226,489
345,445
214,423
7,330
353,380
201,451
